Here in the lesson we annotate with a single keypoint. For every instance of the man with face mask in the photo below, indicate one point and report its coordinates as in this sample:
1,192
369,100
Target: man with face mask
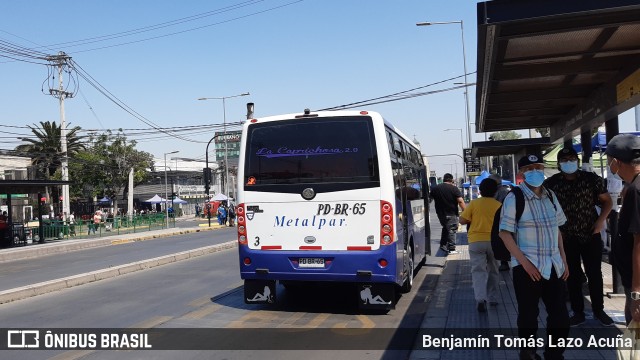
579,192
624,156
538,259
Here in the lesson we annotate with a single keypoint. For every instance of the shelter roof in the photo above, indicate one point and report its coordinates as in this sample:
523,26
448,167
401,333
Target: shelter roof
27,186
568,65
507,147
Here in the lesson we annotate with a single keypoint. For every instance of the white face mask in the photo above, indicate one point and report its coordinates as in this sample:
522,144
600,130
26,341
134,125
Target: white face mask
614,175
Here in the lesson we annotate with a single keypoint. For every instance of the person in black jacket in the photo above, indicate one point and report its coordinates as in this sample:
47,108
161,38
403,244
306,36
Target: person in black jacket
447,199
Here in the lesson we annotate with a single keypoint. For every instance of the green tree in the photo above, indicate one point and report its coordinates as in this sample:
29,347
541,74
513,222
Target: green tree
504,135
45,149
544,132
105,166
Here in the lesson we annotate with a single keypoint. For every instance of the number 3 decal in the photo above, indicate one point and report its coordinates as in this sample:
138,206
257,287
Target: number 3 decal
257,243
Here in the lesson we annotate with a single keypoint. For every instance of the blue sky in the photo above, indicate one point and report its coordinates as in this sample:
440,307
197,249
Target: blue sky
288,54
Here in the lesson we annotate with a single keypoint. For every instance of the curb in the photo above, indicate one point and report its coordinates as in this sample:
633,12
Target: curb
71,281
35,251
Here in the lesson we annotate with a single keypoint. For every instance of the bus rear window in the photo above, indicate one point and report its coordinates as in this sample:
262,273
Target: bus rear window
324,150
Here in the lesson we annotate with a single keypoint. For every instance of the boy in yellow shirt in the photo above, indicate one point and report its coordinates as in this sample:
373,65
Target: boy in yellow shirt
484,267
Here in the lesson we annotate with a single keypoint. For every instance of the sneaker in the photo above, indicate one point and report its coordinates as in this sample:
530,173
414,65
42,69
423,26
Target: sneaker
604,319
482,306
504,266
454,252
577,319
444,248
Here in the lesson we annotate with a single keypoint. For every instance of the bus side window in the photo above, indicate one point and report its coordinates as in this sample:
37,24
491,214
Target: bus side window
390,143
397,146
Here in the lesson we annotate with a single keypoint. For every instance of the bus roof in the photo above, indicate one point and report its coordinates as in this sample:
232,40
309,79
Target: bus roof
320,114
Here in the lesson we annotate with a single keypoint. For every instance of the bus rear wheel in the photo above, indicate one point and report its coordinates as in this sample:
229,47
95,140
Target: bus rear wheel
408,281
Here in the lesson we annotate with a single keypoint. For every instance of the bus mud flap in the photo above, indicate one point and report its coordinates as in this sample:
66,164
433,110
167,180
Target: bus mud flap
377,296
259,291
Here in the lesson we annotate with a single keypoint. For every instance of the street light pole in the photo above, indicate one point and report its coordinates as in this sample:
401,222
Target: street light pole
209,175
224,126
166,192
464,64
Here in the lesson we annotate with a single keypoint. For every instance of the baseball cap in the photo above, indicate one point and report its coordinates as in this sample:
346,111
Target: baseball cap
625,147
567,151
530,159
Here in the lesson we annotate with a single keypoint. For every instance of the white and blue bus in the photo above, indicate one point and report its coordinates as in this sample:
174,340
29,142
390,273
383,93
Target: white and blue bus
337,196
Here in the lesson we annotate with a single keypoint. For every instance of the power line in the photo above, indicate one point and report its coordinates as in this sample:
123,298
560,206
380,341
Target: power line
101,89
402,95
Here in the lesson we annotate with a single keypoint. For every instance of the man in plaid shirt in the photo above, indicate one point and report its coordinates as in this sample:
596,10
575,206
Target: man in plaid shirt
537,257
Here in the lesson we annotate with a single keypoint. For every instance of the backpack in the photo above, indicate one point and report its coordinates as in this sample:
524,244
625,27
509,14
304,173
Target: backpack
500,251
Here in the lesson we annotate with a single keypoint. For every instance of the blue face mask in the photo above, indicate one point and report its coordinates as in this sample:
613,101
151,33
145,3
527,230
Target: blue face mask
569,167
615,175
534,177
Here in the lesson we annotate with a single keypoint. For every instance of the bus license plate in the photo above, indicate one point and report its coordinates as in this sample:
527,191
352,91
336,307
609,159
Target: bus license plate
311,262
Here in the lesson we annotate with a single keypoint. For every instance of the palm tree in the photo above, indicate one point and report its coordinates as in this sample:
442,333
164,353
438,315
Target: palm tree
45,149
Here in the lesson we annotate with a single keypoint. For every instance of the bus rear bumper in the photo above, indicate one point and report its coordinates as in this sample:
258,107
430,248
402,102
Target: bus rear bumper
310,266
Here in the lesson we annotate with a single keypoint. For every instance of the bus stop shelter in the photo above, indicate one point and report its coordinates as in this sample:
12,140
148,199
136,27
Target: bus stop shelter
565,65
30,187
569,66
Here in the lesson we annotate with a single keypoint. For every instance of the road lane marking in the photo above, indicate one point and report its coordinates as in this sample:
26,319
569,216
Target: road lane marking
254,319
204,311
289,322
151,322
72,355
316,321
200,301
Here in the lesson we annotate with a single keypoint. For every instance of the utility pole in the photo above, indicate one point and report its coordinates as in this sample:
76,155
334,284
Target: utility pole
60,61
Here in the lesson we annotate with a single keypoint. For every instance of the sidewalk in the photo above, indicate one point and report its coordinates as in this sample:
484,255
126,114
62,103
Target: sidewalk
452,307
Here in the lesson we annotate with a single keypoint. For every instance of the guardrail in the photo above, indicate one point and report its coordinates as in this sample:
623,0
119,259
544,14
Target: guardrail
52,230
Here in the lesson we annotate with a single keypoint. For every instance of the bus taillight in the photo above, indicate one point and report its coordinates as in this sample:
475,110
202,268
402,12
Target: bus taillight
386,223
242,225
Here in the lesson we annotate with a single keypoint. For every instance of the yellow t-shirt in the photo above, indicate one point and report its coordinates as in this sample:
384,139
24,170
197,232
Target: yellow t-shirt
480,213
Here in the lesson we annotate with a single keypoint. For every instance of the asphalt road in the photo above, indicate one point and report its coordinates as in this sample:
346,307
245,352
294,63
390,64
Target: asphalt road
203,293
19,273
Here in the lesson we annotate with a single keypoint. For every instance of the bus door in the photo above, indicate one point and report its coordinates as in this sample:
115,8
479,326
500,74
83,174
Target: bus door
425,195
401,209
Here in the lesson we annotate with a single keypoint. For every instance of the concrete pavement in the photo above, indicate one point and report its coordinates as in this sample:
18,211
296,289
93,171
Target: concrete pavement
451,309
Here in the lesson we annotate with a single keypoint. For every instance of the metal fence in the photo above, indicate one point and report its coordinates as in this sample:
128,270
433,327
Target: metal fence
88,229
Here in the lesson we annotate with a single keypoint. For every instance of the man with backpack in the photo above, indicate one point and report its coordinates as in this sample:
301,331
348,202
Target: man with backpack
578,193
538,259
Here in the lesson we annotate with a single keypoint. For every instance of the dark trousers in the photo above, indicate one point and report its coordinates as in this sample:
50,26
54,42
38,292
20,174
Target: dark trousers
449,229
528,294
590,252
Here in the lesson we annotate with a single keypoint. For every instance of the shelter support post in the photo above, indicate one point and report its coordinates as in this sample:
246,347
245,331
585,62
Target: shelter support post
587,152
40,213
612,129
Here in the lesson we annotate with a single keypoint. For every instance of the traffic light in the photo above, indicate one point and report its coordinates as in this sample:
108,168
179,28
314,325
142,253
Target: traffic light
206,172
